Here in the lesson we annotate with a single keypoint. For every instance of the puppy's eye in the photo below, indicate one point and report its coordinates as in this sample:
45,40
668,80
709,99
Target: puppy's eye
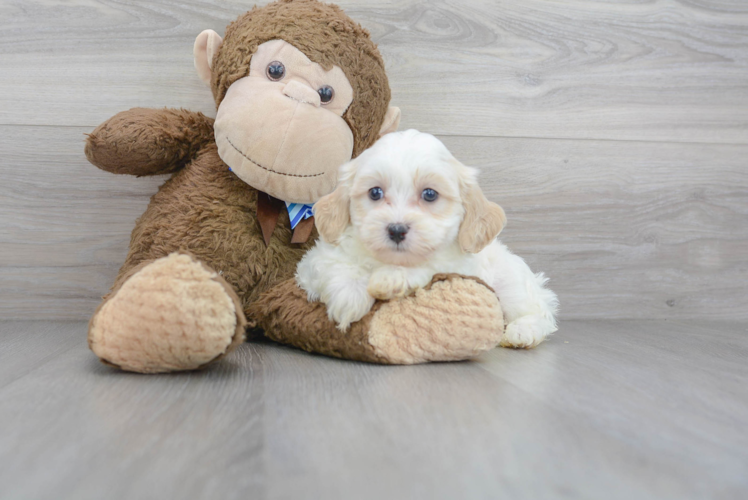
429,195
326,93
276,71
376,193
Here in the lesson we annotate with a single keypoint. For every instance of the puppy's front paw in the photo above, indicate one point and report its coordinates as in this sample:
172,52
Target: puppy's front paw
349,309
388,283
525,332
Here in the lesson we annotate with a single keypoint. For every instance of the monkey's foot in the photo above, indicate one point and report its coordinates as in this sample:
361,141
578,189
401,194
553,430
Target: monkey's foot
451,319
171,314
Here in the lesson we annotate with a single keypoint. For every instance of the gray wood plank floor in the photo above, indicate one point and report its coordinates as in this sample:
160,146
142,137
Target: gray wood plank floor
616,409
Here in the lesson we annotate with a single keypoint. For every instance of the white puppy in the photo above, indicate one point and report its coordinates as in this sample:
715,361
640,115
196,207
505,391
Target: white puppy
403,211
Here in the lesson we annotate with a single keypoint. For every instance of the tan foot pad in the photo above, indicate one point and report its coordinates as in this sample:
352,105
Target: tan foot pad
452,319
171,314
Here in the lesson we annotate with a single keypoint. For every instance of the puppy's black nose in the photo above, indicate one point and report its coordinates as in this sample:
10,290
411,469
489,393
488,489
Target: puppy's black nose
397,232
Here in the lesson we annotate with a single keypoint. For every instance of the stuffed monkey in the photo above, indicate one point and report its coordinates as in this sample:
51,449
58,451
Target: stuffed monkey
300,89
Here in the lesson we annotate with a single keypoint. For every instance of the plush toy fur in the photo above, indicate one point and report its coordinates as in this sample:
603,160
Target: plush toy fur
199,271
339,41
451,319
204,210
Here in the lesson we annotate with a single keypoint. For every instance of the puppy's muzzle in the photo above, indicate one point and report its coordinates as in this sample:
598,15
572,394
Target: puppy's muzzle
397,232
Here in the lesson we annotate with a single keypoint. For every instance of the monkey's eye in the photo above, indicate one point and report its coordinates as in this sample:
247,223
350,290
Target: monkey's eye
276,71
326,93
376,193
429,195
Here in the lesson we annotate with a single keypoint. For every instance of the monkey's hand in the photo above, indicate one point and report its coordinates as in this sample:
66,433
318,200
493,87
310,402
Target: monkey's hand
143,141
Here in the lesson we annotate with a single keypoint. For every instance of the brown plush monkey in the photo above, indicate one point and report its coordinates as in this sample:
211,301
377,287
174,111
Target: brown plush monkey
300,89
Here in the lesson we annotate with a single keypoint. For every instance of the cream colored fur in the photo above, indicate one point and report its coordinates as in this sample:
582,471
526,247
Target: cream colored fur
357,262
182,313
280,156
262,126
206,47
455,330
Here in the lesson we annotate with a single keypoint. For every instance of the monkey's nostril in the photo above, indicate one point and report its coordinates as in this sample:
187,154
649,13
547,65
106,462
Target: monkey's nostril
397,232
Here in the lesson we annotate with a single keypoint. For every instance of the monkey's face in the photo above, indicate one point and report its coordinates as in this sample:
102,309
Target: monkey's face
281,129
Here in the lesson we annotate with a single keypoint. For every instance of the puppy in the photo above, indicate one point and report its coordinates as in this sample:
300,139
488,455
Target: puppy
403,211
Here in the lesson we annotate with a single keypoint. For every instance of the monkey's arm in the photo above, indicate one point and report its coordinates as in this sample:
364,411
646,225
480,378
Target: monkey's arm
453,318
144,141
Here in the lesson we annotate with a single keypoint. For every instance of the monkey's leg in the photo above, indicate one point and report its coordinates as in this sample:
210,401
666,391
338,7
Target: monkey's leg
169,314
453,318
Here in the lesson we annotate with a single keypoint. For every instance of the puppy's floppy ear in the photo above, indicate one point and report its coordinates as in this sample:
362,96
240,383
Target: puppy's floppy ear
483,219
332,212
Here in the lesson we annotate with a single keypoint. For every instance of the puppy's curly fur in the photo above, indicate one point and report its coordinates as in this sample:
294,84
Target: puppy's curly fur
404,211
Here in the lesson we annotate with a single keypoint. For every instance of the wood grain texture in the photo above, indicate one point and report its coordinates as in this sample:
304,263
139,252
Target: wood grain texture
624,229
674,71
605,409
648,230
614,134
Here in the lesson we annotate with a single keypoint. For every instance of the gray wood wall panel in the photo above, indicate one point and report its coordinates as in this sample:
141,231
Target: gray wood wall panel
575,69
614,134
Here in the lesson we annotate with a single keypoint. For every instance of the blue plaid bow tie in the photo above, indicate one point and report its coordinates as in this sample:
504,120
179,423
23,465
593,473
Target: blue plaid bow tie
297,212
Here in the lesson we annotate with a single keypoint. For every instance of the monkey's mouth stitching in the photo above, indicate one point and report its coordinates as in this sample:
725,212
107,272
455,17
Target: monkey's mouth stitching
268,169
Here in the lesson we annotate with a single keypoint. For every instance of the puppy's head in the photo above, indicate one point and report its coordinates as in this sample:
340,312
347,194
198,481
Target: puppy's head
406,197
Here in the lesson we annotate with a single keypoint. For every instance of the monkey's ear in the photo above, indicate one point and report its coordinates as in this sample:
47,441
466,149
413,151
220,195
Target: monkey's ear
391,121
483,220
206,46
